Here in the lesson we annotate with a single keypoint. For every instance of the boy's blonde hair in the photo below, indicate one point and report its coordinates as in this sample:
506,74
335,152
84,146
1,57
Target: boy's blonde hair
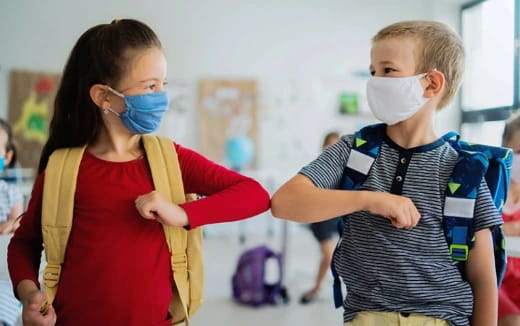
438,47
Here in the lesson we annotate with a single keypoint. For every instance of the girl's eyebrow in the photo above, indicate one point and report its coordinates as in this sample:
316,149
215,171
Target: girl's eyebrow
152,79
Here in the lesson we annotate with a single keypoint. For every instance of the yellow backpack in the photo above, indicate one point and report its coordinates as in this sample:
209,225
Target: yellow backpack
185,246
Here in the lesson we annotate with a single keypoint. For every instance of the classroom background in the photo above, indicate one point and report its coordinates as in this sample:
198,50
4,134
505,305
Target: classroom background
255,85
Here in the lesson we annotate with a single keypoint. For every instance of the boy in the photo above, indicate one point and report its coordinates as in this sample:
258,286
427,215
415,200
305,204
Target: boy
393,256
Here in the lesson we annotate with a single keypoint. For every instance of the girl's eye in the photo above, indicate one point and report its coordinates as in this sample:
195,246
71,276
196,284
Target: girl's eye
152,87
372,72
389,70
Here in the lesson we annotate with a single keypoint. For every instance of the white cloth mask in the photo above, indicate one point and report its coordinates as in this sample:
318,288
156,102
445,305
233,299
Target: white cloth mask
395,99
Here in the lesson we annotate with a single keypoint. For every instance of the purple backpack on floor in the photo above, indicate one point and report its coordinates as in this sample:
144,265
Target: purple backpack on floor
249,285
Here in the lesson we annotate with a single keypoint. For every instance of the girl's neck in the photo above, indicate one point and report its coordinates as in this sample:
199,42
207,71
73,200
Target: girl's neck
414,132
116,147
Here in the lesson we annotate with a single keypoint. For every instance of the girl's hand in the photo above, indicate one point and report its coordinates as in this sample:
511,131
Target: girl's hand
31,314
6,227
400,210
154,206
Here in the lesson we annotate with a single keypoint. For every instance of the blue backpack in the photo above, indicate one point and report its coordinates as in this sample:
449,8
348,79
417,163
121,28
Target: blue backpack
475,162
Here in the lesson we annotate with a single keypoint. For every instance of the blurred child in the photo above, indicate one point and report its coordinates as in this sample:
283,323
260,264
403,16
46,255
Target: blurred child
509,293
323,233
11,199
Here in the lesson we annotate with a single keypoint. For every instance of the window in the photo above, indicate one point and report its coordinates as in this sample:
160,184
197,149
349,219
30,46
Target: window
489,93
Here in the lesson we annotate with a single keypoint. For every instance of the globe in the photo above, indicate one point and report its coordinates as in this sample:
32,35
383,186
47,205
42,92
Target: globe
240,151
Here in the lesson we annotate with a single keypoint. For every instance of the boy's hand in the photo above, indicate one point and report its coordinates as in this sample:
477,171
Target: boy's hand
154,206
400,210
31,314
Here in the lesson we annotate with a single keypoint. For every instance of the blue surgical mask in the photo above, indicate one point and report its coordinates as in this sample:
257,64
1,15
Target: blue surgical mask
144,112
2,163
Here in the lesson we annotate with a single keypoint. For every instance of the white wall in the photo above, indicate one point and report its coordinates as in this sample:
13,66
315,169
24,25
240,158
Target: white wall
302,52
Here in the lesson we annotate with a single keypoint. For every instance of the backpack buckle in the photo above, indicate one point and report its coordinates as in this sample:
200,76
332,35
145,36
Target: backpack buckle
459,251
51,275
179,262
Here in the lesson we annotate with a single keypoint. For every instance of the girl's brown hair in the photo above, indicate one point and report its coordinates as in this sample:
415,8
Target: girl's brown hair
100,56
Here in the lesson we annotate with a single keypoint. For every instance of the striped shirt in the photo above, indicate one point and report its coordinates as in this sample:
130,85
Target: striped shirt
390,269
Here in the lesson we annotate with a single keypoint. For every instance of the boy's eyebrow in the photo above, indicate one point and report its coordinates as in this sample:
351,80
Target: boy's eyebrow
385,62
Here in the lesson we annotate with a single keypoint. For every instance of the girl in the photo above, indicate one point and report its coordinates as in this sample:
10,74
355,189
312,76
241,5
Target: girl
11,199
509,293
111,92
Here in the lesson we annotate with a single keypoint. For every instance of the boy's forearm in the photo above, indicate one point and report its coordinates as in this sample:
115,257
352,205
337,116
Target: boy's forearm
480,272
485,309
308,204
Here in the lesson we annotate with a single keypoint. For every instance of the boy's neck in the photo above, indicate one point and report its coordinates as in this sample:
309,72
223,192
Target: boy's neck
416,131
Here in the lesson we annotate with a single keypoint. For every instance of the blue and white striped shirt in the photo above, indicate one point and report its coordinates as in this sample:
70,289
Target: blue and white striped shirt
390,269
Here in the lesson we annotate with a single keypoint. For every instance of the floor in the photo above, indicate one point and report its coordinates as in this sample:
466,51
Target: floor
221,251
302,259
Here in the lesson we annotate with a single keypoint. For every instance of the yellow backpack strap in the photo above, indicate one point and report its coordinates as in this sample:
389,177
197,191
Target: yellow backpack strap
166,174
59,189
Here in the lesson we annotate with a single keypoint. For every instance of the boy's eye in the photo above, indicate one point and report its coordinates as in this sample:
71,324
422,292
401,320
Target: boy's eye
372,72
389,70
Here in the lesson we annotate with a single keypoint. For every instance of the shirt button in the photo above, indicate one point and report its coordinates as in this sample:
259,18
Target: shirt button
399,178
403,160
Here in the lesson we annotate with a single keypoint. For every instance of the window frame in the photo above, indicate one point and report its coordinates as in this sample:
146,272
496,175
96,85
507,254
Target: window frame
494,113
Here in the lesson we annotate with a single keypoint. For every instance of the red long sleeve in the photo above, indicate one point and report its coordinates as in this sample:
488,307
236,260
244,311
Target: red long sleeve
117,265
231,196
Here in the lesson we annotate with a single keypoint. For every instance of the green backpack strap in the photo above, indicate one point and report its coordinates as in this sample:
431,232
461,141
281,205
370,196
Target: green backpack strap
57,211
184,245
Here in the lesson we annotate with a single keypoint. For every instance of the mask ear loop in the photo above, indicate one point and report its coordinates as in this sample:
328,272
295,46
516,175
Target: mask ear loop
108,110
115,92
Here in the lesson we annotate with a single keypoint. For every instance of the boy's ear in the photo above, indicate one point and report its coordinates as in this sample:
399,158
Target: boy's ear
435,83
99,95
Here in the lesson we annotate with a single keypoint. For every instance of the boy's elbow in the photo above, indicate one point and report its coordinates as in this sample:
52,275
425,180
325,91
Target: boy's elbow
277,206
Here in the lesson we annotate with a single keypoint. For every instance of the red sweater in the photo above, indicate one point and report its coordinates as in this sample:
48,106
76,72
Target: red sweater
117,265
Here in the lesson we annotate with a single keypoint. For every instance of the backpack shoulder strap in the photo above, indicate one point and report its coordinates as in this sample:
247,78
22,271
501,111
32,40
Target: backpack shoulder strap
59,189
475,162
184,246
459,204
364,151
367,143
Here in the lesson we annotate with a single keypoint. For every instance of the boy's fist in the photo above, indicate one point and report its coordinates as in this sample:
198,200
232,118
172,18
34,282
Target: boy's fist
400,210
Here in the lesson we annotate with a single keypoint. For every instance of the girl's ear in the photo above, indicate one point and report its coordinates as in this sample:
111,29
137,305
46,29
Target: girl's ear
99,95
435,83
8,157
